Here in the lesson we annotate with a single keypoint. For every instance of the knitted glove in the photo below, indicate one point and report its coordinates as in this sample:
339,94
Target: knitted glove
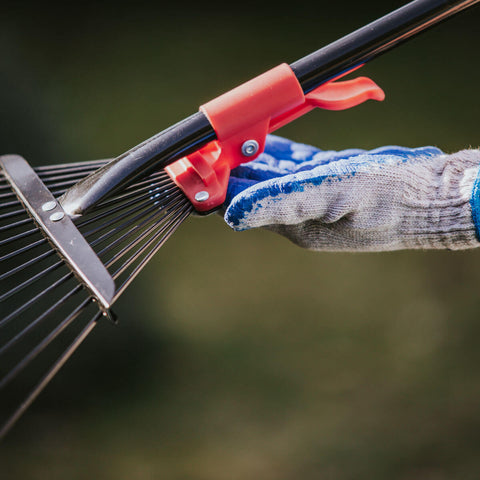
389,198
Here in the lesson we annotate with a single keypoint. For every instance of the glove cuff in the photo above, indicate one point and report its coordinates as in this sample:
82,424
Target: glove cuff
475,204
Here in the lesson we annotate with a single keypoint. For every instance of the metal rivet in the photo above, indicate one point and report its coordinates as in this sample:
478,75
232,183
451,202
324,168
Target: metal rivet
47,206
202,196
249,148
55,217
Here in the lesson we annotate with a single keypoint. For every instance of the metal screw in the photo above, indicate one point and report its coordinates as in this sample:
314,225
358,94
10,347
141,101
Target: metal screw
47,206
55,217
202,196
250,148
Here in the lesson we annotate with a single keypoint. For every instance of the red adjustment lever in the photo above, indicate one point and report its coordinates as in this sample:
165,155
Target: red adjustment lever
244,116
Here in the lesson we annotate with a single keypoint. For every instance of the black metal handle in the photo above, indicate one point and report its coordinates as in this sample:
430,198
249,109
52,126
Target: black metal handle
154,153
373,39
313,70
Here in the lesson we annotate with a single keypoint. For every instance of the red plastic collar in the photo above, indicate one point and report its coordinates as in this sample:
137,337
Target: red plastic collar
244,116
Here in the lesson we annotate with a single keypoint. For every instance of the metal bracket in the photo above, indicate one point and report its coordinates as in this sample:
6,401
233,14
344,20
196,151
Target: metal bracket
59,229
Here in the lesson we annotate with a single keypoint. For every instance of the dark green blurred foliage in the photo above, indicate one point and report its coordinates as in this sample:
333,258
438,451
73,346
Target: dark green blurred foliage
240,355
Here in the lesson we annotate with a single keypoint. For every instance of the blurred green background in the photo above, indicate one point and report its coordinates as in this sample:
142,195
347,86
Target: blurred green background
239,355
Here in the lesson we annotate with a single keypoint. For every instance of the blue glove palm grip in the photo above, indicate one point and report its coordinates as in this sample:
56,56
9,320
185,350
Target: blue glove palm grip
283,157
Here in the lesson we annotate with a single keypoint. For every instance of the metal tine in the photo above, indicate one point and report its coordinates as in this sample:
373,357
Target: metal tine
66,171
118,242
27,264
56,265
139,196
138,200
61,182
49,375
47,339
41,274
126,224
160,209
163,222
159,174
141,187
137,207
12,203
187,210
152,182
62,186
104,214
69,167
118,228
64,181
30,280
82,172
19,236
69,177
13,213
17,224
173,204
5,320
28,220
5,185
24,249
134,190
57,176
51,252
9,194
78,170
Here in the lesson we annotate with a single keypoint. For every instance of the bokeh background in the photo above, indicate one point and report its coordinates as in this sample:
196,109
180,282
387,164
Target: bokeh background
239,355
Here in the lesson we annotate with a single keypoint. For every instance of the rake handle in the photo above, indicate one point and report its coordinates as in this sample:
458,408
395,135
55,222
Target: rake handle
311,71
372,40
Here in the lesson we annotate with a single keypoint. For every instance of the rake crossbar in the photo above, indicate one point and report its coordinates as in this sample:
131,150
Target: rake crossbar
59,228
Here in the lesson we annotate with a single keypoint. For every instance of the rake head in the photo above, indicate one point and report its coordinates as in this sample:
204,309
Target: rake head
59,276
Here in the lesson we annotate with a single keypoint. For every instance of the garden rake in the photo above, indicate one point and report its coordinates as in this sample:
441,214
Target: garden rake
74,236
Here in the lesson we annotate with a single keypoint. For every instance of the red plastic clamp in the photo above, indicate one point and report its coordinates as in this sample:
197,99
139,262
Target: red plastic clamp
244,116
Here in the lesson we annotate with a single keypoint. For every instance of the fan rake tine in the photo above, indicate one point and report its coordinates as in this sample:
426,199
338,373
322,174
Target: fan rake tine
65,176
30,281
27,264
24,249
49,375
129,222
70,167
12,203
17,224
128,227
143,187
159,216
48,339
13,213
120,209
35,299
184,214
19,236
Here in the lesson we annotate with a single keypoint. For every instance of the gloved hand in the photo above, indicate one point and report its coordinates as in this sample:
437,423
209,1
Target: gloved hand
385,199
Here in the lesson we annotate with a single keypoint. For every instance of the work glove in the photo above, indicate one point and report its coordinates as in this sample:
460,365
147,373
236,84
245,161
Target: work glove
389,198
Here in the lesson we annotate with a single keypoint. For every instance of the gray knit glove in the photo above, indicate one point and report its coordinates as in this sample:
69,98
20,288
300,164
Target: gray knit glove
386,199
